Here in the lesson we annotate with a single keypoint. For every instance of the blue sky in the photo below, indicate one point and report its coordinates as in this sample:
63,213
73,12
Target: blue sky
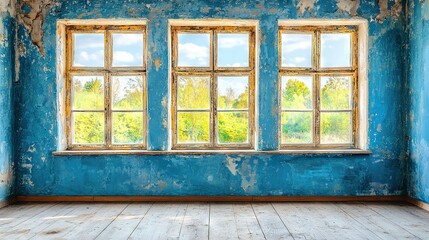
194,49
89,49
297,49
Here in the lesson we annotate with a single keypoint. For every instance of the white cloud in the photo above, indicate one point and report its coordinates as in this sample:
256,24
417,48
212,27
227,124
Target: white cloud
299,59
292,46
190,52
84,58
123,57
127,39
232,41
237,64
336,36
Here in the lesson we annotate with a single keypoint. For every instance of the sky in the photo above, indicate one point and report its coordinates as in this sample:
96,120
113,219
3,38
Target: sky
297,50
89,49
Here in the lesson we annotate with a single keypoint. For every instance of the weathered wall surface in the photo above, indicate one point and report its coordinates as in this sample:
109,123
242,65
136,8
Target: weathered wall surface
7,170
418,90
381,173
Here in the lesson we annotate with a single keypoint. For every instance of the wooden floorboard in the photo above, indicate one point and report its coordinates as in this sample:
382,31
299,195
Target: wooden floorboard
311,220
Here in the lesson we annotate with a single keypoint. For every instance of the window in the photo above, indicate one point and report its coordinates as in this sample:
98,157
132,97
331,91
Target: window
105,87
213,89
318,86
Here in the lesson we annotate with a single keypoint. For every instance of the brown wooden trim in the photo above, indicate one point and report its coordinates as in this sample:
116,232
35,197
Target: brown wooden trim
210,198
418,203
8,202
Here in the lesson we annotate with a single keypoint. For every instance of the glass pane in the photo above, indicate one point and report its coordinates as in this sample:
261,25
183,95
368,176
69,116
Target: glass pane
336,50
127,50
336,93
336,127
297,92
297,50
233,127
88,93
128,128
194,50
233,92
88,128
88,49
233,50
297,127
193,92
127,92
193,127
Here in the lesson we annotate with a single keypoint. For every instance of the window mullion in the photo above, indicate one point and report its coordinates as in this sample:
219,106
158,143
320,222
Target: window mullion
108,97
213,91
316,87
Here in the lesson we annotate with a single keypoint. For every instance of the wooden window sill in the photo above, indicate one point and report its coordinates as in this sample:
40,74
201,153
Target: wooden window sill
212,152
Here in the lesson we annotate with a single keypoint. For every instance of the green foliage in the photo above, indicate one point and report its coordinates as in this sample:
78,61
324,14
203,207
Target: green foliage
127,95
89,127
233,127
296,127
194,93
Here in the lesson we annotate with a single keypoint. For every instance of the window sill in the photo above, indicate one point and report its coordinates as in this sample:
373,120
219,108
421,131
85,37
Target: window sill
210,152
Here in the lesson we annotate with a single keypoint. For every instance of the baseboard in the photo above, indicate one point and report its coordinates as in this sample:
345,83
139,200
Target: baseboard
418,203
210,198
7,202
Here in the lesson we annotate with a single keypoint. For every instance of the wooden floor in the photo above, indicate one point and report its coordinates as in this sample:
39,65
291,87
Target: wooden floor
213,221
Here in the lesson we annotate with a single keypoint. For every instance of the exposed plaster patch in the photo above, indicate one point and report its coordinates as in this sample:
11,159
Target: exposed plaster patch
33,18
425,10
305,5
349,6
32,148
232,165
248,175
379,128
7,6
245,171
6,177
162,185
394,11
157,64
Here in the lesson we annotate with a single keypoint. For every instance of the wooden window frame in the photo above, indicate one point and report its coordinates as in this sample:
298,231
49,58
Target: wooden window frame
213,71
316,72
108,71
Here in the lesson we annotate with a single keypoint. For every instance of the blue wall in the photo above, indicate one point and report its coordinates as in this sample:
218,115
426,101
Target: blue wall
418,90
381,173
7,171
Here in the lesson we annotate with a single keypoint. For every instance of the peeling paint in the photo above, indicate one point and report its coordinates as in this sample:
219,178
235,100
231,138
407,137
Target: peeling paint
349,6
395,10
157,63
305,5
33,19
232,165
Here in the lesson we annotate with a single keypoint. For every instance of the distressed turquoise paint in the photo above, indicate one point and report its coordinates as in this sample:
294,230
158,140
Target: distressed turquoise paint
418,92
40,173
7,170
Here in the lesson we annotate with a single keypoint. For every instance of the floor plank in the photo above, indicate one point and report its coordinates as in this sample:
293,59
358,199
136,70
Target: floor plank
14,215
300,222
97,222
234,221
79,215
126,222
384,228
410,222
162,221
270,222
214,221
37,223
196,222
